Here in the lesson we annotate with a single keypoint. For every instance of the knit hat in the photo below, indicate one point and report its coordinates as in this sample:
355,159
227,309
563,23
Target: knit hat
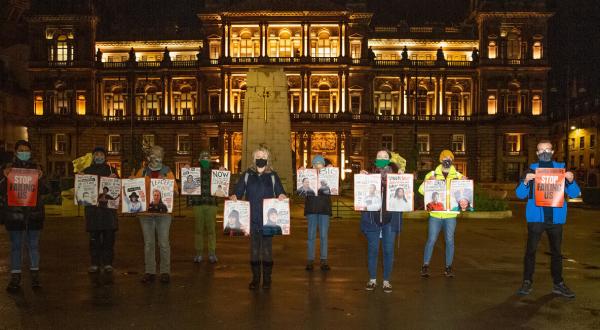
204,155
99,149
446,153
318,159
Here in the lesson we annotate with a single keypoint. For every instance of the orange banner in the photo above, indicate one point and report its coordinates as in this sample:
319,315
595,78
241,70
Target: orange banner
550,187
22,187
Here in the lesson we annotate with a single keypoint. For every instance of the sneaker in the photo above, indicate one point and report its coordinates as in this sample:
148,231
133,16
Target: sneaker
35,279
562,289
309,266
15,283
525,288
449,272
387,287
165,278
371,285
93,269
197,259
325,266
148,278
425,271
213,259
108,269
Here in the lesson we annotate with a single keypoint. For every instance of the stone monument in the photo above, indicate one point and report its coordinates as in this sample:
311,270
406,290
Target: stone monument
267,120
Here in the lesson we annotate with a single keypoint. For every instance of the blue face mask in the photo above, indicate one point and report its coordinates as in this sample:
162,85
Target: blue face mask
24,155
99,160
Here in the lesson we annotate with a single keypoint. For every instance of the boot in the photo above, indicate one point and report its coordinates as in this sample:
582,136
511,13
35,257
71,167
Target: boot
35,279
255,265
267,270
15,283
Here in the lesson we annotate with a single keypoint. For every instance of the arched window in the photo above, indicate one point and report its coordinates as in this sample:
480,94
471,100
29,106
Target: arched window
81,104
422,101
246,44
285,44
324,45
492,50
62,103
152,104
492,103
455,104
385,101
324,98
118,105
537,50
38,106
185,105
536,105
62,49
513,46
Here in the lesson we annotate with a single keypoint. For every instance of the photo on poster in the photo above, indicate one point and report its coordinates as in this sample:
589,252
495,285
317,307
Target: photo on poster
161,195
109,192
462,196
219,183
549,188
22,187
86,190
276,216
236,218
134,195
400,193
329,181
435,195
306,182
191,181
367,192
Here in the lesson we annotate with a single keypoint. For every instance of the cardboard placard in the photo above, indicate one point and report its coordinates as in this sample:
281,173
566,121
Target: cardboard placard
22,187
549,187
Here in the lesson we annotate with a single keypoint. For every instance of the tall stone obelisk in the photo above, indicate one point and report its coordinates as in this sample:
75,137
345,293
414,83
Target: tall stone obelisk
267,120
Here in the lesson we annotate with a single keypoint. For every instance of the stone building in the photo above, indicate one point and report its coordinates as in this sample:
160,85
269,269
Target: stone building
355,85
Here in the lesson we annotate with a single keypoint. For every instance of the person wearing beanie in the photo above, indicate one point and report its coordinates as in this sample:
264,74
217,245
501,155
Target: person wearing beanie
100,221
23,223
441,220
317,210
204,207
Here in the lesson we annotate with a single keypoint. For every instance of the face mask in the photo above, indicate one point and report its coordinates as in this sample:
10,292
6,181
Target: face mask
24,155
204,163
446,163
99,160
545,156
381,163
260,163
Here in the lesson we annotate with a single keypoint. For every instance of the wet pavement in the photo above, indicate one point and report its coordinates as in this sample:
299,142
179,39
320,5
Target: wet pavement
488,266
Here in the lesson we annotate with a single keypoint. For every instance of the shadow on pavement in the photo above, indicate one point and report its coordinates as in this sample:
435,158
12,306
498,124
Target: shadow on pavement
513,313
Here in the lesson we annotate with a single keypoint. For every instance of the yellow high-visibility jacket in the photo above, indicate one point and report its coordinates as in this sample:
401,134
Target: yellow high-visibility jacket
452,175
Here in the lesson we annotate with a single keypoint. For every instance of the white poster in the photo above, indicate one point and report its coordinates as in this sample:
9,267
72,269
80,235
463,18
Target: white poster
329,181
276,215
219,183
461,195
435,195
110,192
400,194
134,195
161,195
236,218
86,190
191,181
306,182
367,192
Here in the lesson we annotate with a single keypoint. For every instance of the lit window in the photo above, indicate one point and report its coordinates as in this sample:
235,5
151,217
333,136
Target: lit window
514,46
38,105
152,104
422,102
423,143
118,105
385,102
285,44
60,143
185,104
492,105
148,140
492,50
512,104
183,144
114,144
355,103
355,49
513,144
324,98
324,45
537,50
215,50
246,45
536,105
81,104
62,49
458,142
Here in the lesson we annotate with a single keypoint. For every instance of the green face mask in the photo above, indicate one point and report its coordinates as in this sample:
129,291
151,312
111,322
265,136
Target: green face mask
381,163
205,163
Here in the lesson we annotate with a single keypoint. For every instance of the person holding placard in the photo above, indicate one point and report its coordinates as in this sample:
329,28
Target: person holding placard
156,225
439,218
23,223
101,222
317,210
547,219
204,207
258,183
379,225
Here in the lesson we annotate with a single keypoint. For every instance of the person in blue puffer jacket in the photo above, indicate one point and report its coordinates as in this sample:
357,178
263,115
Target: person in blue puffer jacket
545,219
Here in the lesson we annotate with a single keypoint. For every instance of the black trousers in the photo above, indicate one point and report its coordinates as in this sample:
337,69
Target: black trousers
261,248
102,244
534,234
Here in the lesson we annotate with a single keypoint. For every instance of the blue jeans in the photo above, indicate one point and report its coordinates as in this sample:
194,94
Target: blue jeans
314,221
17,239
388,238
153,227
435,225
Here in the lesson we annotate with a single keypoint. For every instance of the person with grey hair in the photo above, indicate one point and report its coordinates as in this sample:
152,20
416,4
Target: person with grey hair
258,183
156,224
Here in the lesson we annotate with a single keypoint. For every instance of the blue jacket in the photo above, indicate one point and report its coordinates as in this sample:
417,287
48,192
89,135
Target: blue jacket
536,213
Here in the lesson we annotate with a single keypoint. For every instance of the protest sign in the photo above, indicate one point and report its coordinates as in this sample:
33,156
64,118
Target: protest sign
219,183
86,189
236,218
550,187
306,182
134,195
367,192
400,193
22,187
435,195
462,196
276,216
191,181
161,195
110,192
